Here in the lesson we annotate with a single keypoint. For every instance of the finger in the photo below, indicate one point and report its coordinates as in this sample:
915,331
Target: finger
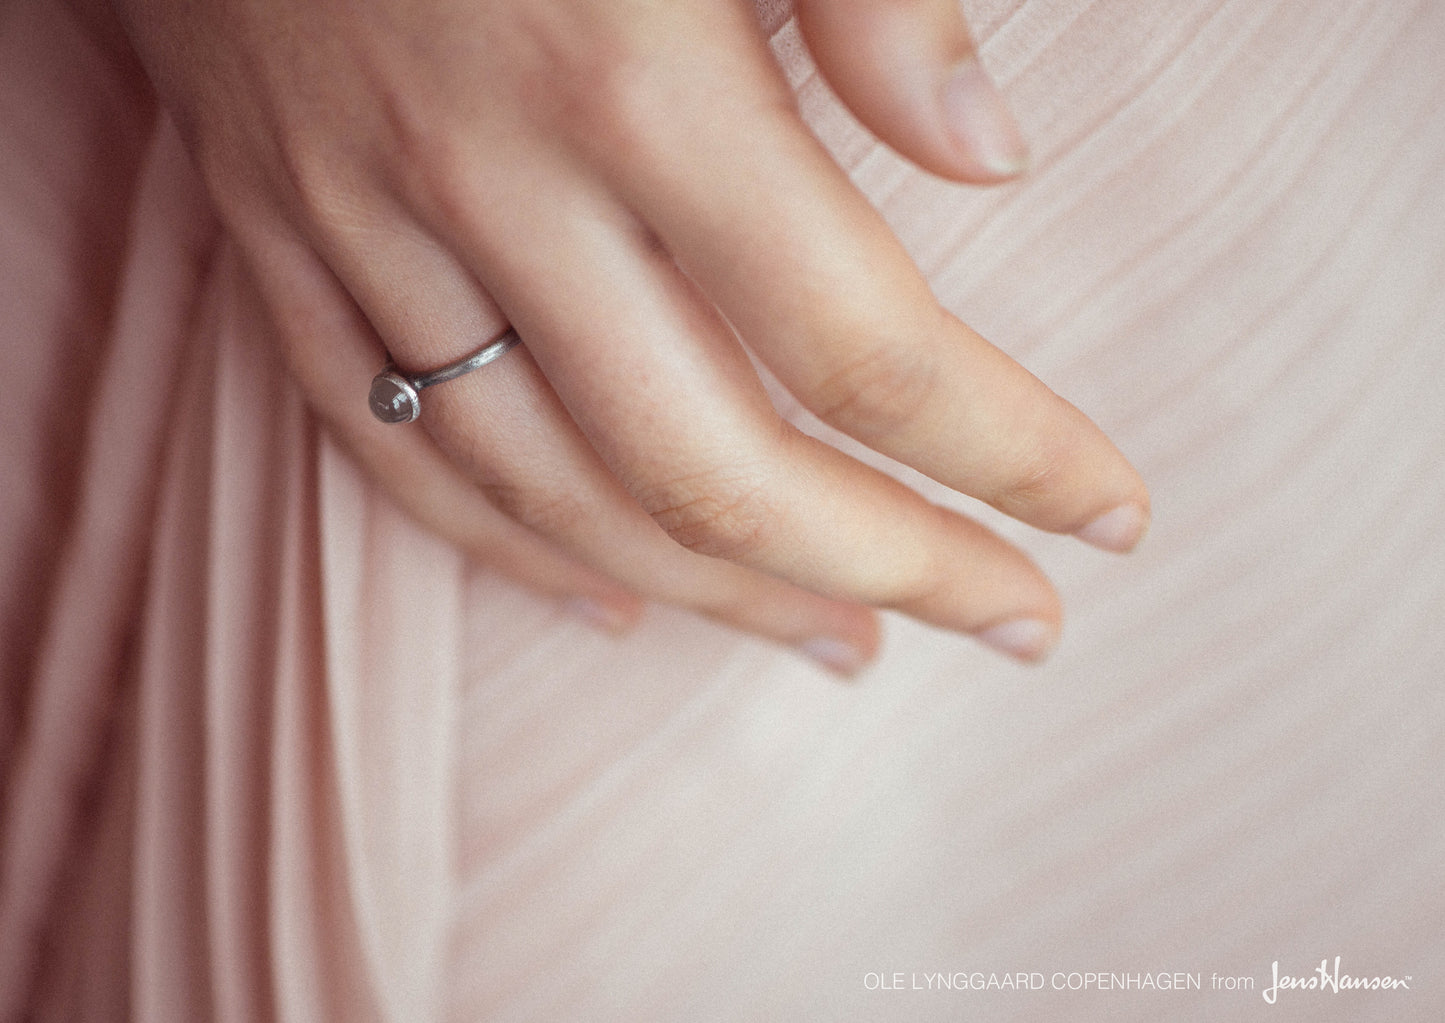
332,353
910,72
701,449
813,279
506,431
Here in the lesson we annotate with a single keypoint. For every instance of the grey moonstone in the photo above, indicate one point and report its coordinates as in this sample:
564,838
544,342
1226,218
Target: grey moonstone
393,399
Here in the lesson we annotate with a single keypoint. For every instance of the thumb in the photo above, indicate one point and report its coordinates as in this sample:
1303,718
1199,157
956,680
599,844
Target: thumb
909,71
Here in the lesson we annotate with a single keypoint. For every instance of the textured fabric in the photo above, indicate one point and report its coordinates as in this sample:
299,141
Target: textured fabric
270,751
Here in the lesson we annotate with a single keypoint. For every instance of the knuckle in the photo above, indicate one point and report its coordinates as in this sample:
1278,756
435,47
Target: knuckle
718,516
879,392
620,109
597,91
626,98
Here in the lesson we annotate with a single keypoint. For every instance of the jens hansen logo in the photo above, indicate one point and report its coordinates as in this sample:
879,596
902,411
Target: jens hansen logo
1331,980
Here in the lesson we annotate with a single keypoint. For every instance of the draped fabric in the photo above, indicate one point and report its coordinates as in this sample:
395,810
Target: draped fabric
269,751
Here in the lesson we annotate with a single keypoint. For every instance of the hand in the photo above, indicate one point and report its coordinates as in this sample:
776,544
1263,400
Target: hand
627,183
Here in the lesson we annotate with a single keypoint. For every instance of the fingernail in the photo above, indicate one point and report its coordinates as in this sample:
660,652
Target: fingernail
834,654
980,120
1119,529
1025,638
598,615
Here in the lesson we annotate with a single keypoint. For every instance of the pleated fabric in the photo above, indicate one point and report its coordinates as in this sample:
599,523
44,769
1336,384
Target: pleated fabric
269,751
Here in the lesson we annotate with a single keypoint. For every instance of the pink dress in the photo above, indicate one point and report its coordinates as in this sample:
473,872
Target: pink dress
268,751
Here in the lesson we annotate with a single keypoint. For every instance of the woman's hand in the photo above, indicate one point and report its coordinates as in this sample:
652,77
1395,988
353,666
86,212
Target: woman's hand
627,182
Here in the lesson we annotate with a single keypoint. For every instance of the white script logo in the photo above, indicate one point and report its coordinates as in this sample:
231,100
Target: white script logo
1333,981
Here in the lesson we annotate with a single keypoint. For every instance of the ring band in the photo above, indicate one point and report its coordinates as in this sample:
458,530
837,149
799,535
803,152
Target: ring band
396,398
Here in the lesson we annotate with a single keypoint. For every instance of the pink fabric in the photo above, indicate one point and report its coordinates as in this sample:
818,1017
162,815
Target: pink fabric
269,751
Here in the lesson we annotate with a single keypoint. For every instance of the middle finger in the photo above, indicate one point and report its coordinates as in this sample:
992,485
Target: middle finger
659,386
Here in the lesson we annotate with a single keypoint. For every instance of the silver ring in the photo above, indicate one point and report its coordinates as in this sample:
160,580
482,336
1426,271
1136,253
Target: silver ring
396,398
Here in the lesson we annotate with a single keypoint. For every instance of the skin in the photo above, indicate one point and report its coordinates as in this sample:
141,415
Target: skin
627,182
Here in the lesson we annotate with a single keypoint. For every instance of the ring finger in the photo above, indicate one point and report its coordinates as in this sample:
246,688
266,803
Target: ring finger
515,445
